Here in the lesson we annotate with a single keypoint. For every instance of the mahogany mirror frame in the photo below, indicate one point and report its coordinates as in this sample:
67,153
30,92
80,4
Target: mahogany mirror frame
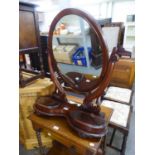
87,119
107,67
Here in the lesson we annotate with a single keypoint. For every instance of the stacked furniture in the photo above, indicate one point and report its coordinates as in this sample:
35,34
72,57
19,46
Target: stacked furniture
27,98
118,97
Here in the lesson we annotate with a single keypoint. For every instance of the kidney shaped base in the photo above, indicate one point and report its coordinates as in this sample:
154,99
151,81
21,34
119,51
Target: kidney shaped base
84,123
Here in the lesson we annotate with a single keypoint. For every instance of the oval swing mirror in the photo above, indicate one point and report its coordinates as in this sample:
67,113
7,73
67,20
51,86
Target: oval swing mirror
86,119
71,50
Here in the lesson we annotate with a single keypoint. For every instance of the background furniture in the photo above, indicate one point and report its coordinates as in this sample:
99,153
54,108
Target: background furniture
28,96
113,35
118,97
63,53
43,39
78,33
30,59
82,36
96,52
123,73
58,129
122,95
66,60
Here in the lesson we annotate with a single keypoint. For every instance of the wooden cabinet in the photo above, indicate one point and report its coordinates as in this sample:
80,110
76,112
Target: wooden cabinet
28,33
29,42
123,73
27,98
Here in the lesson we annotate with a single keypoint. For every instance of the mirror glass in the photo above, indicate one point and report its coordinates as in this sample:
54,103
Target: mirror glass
75,45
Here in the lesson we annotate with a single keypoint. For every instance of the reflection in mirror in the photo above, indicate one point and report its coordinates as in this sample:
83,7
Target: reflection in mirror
73,47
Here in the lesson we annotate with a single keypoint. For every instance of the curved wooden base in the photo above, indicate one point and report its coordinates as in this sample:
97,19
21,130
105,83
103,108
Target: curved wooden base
85,124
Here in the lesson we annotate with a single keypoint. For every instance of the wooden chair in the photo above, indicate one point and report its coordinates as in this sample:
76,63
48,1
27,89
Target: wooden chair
118,96
120,87
113,34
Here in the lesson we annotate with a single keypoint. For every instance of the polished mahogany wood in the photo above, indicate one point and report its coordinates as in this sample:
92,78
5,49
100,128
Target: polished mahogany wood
29,41
106,66
97,30
87,119
58,129
27,36
84,123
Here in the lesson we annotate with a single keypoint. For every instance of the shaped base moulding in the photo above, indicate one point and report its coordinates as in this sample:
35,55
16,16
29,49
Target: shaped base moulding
87,125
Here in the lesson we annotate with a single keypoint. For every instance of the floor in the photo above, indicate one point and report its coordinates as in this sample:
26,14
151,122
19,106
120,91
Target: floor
130,148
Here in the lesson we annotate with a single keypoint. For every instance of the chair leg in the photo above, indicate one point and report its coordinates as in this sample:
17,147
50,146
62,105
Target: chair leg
112,137
123,148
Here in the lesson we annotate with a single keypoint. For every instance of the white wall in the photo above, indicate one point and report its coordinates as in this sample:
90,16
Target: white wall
118,10
122,9
97,10
48,17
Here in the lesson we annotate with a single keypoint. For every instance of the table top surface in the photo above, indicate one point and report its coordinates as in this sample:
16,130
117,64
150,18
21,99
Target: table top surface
60,129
